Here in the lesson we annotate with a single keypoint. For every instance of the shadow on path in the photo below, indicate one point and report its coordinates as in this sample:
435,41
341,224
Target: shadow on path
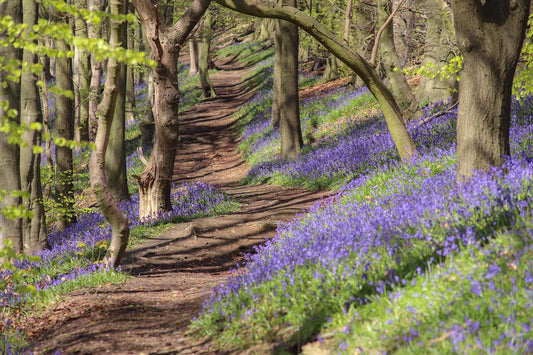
173,273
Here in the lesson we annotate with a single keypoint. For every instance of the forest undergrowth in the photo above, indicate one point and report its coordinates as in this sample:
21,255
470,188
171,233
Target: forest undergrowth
403,259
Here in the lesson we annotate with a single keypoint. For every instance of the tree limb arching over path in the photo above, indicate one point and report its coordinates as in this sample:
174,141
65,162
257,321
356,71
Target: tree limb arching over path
173,273
403,141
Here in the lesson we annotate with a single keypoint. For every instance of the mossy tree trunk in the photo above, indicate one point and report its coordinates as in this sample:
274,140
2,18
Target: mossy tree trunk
439,49
490,35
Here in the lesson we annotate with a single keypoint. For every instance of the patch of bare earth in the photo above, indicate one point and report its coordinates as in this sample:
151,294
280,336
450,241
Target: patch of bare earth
174,273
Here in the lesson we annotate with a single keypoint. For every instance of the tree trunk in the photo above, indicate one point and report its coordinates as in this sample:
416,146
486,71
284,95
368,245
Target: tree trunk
291,132
276,87
203,60
332,69
391,111
391,63
64,130
116,150
94,31
10,228
118,221
155,181
84,79
438,50
347,21
193,54
490,35
130,70
33,229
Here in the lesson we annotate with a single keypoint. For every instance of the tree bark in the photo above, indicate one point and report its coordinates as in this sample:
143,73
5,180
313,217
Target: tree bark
203,60
10,229
118,221
64,129
276,86
347,21
193,54
291,132
115,160
391,63
402,139
490,35
83,79
155,181
33,229
438,50
94,31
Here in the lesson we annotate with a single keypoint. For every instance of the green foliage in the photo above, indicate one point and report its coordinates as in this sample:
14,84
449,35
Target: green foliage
523,81
16,279
430,70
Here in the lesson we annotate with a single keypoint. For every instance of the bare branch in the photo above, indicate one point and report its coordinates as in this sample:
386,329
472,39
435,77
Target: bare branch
380,32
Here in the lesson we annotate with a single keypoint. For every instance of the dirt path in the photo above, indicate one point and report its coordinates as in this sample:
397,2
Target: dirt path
172,274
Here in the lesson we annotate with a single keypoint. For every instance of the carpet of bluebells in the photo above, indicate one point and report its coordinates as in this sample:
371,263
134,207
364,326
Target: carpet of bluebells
75,252
402,259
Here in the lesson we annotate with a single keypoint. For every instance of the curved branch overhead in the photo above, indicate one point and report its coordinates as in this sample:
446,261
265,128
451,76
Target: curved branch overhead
347,55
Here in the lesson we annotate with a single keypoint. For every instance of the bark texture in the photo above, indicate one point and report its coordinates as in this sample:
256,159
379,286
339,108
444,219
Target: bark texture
10,229
194,53
391,63
83,79
118,221
276,85
347,55
64,129
33,229
291,132
116,150
490,35
203,60
165,41
439,49
94,31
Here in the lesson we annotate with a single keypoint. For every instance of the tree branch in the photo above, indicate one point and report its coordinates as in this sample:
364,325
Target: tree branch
380,32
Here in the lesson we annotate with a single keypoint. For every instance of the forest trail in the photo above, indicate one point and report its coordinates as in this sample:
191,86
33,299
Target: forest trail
174,273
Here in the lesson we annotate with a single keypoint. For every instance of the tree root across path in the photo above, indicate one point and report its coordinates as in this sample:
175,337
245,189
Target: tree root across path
174,273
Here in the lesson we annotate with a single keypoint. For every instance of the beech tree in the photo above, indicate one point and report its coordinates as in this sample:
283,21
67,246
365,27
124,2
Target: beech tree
64,129
165,42
10,227
439,49
34,231
391,61
116,150
289,104
490,34
106,109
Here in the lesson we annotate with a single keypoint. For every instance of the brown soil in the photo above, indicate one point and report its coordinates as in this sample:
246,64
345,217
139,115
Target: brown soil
174,273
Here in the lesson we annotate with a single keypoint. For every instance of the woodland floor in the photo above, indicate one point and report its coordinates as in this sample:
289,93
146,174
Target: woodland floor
173,273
